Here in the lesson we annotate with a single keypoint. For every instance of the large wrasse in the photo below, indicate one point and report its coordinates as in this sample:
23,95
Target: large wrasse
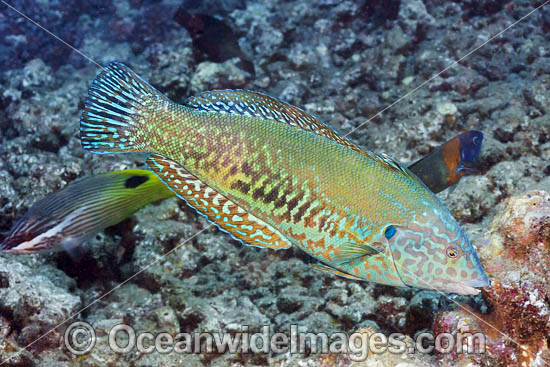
32,233
70,216
274,176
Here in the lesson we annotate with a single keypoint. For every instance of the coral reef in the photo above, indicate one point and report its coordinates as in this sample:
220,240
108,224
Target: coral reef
343,61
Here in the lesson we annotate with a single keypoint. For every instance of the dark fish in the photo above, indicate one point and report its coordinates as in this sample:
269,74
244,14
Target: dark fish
447,164
211,36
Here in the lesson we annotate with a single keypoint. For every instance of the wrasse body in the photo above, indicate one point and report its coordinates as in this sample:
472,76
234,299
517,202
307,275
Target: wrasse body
28,236
68,217
274,176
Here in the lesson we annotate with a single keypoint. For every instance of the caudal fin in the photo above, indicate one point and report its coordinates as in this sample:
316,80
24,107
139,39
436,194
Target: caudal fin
118,105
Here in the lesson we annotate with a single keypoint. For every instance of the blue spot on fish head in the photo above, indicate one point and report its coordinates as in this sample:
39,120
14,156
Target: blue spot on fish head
389,231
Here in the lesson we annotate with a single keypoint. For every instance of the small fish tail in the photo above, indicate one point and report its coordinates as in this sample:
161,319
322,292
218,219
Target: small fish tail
119,102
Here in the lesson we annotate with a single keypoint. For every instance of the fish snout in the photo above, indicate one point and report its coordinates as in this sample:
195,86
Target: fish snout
466,288
479,282
7,244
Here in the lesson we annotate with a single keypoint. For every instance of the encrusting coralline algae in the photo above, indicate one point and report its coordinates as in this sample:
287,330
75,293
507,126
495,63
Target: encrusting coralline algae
342,61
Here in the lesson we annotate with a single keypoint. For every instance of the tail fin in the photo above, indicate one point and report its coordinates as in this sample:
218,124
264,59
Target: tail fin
119,102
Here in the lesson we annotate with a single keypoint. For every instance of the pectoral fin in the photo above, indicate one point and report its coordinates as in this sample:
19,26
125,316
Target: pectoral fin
227,215
334,271
350,251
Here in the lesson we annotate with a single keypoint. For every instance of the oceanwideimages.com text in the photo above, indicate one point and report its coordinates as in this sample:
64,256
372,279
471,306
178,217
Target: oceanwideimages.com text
80,338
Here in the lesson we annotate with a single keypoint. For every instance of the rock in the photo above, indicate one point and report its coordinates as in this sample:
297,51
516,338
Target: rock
37,298
413,16
173,67
30,297
449,111
14,356
210,76
36,74
266,44
213,6
398,40
167,320
292,94
537,95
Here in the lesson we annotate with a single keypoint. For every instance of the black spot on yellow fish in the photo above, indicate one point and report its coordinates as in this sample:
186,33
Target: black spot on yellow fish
135,181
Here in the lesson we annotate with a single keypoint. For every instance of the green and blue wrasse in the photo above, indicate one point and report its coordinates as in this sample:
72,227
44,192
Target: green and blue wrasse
29,233
70,216
447,164
274,176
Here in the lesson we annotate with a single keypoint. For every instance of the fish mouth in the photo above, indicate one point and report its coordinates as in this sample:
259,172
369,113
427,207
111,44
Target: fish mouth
21,248
468,288
15,250
479,282
5,245
459,288
13,245
9,247
12,241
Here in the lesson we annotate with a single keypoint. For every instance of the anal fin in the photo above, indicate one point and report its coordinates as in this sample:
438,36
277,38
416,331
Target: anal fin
227,215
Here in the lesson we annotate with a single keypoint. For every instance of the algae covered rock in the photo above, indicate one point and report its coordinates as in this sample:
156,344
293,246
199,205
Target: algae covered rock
35,301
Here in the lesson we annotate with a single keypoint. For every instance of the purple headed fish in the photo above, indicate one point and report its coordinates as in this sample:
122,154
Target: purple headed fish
274,176
448,163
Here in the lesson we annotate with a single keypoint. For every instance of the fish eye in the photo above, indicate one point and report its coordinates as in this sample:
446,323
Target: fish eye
475,141
452,252
389,232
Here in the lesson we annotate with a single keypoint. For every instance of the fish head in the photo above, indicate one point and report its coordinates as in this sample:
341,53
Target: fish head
431,251
470,146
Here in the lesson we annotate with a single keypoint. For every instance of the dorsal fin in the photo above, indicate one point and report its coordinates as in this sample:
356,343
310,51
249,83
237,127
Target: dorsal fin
249,103
394,165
